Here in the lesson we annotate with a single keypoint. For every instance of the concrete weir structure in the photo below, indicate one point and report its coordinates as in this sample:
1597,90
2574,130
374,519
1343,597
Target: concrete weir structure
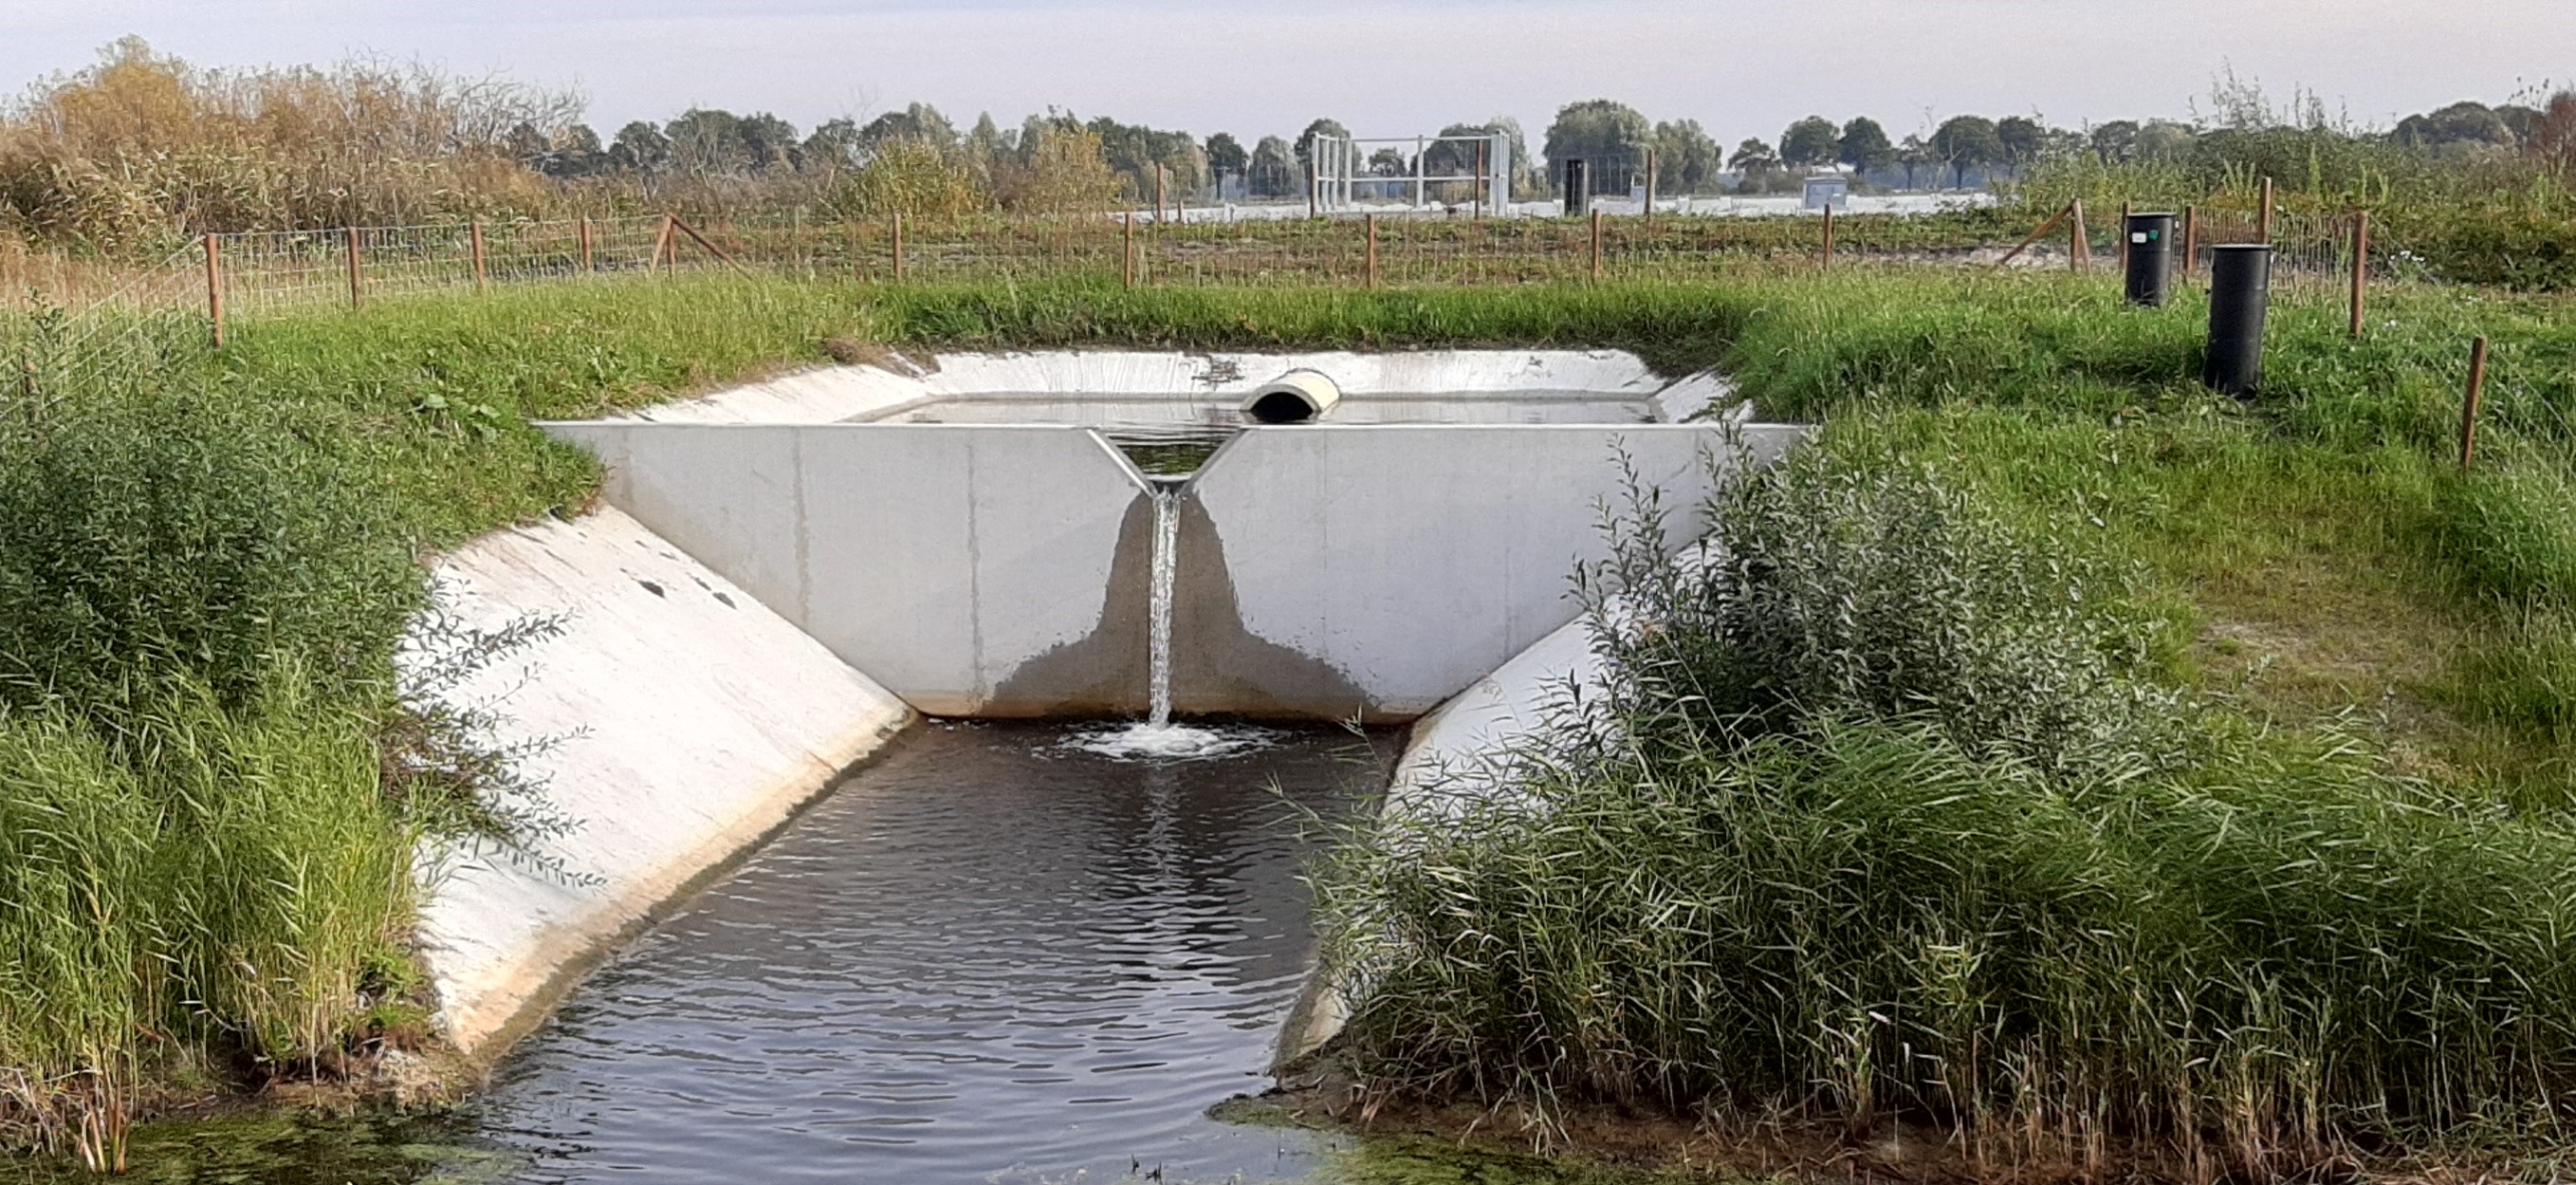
787,573
970,534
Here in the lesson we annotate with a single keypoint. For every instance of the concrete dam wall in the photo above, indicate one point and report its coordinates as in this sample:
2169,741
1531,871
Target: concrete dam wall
1322,571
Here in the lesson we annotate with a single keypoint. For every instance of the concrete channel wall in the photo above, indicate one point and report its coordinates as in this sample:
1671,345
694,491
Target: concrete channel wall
1002,570
680,721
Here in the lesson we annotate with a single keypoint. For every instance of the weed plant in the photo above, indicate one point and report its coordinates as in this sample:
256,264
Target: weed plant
1881,813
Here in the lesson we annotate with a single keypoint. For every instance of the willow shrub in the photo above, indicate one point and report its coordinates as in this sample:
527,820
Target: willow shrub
1879,813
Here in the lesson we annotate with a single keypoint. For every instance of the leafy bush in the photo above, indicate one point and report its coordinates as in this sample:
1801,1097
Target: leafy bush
150,531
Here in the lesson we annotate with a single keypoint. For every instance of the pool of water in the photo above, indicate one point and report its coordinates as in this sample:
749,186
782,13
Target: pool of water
993,955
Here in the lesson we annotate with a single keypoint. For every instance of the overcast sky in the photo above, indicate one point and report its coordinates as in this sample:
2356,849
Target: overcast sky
1384,67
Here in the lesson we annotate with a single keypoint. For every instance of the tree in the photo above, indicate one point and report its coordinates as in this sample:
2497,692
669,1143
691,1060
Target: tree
1966,142
1597,130
1225,157
1136,150
1273,169
1686,159
2022,139
768,142
919,123
1306,139
2470,124
1808,143
707,143
1063,170
640,148
1863,145
1914,155
2552,139
834,146
1753,156
2114,142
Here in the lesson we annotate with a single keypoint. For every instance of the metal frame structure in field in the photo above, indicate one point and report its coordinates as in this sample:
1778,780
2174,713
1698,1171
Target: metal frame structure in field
1336,169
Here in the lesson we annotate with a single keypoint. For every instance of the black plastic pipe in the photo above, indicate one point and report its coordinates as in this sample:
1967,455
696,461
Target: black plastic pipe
2150,256
2240,285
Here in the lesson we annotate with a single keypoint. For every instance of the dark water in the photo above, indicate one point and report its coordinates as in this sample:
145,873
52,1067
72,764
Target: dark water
986,957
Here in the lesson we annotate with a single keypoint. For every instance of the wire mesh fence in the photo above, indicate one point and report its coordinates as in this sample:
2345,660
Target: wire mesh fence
192,294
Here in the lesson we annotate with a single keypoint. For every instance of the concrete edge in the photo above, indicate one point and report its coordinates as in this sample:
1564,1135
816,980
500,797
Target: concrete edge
565,954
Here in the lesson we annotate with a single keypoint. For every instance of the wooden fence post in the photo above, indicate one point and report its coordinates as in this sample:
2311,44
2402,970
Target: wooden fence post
2079,245
586,265
2360,266
1372,250
2469,406
2263,224
2190,236
2036,235
898,246
357,283
215,287
1829,237
474,238
662,246
1159,207
1127,248
1596,246
1650,189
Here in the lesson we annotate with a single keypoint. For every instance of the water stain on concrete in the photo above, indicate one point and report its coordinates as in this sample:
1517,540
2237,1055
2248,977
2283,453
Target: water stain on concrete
1218,666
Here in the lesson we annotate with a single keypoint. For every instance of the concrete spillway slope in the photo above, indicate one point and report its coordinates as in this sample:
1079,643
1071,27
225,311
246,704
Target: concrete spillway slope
683,722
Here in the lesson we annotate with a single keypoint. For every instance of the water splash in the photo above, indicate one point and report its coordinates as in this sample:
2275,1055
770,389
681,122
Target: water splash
1158,739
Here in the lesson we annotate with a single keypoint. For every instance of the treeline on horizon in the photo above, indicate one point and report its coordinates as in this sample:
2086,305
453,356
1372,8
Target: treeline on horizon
140,148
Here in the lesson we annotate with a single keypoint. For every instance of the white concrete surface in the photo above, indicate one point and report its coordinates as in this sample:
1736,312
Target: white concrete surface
1159,384
939,559
687,721
1414,559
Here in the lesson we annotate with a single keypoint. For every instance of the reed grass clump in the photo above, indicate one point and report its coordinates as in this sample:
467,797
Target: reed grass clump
1881,814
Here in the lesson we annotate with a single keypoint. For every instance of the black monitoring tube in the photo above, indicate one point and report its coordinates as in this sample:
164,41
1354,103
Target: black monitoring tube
2240,284
2150,257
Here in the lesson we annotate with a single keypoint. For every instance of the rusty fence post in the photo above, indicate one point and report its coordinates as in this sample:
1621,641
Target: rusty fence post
2469,406
357,280
2360,266
215,287
474,239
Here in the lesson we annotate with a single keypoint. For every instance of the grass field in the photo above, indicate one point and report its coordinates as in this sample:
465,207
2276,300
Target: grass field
2312,562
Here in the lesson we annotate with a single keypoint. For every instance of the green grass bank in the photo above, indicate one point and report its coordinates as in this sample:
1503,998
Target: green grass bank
215,777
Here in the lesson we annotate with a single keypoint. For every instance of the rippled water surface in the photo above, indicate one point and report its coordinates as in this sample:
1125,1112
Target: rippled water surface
992,955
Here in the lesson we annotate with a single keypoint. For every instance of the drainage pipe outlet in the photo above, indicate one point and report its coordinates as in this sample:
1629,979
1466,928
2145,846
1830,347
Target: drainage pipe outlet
1293,398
